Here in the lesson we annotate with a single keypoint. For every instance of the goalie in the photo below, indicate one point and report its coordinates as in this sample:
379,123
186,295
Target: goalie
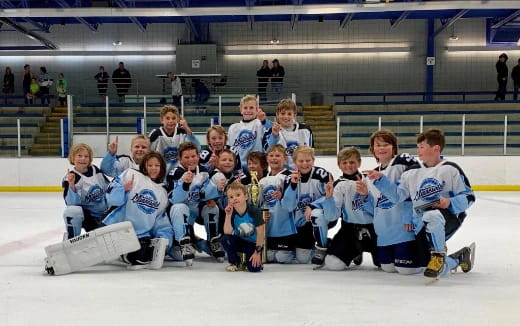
139,198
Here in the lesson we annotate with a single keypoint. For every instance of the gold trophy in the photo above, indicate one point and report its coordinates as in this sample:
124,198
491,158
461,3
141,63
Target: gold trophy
255,191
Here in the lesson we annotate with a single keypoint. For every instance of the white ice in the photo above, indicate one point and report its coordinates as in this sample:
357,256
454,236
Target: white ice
206,294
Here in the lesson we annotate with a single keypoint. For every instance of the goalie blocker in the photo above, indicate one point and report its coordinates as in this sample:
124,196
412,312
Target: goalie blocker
95,247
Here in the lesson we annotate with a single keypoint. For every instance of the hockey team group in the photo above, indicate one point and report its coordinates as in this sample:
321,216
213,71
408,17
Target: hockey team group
261,199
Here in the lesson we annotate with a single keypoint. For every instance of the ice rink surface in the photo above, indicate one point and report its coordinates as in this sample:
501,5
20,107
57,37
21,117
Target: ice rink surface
206,294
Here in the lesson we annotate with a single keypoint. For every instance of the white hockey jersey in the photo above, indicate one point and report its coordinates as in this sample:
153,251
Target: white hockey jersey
90,191
113,165
245,137
168,145
299,134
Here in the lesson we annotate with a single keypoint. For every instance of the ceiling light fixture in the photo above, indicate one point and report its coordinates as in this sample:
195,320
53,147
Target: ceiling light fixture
117,43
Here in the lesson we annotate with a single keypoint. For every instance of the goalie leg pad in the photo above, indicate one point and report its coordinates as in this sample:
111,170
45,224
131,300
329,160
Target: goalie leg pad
99,246
159,249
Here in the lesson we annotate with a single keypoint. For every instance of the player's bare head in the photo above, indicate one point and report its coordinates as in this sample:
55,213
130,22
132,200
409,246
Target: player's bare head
432,137
227,151
148,157
219,130
186,146
76,148
303,149
278,149
349,153
248,98
143,139
170,108
236,186
258,158
386,136
286,104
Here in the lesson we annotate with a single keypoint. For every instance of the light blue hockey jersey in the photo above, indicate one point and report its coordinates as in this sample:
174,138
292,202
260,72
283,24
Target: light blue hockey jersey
309,191
245,137
199,190
281,221
144,205
389,217
113,165
425,185
299,134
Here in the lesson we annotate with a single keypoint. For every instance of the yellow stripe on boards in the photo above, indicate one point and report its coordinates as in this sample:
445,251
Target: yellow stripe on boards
30,189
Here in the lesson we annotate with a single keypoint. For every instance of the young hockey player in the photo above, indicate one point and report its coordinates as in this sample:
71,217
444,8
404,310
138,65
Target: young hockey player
287,131
244,230
440,193
280,228
304,190
216,138
190,187
167,139
84,189
246,136
396,246
356,234
138,196
113,165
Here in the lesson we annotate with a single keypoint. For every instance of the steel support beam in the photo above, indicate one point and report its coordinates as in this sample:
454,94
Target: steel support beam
506,20
451,21
399,20
92,27
133,19
346,21
48,44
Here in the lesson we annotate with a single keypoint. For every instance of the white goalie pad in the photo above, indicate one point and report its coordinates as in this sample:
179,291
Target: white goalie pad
98,246
159,249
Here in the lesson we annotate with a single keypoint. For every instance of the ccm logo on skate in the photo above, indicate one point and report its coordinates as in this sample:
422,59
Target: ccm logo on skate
79,238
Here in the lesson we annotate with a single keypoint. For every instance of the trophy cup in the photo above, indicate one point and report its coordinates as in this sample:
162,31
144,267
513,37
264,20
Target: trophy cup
255,191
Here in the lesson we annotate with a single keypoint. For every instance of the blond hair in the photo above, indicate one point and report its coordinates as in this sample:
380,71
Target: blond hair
170,108
80,147
218,129
347,152
286,104
303,149
139,137
236,186
248,98
278,148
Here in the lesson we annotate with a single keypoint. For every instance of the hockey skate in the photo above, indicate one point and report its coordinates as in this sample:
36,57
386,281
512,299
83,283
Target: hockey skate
319,256
435,265
216,249
187,250
466,258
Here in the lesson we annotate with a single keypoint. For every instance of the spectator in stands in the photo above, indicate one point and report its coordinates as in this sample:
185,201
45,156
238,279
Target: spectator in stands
26,81
176,89
263,75
102,82
122,79
277,76
61,89
502,76
201,95
8,88
45,82
34,91
515,75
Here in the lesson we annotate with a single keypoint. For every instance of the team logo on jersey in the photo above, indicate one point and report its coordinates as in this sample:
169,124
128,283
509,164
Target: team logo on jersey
305,200
95,194
429,190
245,139
170,154
194,194
357,202
146,201
384,203
290,147
268,196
